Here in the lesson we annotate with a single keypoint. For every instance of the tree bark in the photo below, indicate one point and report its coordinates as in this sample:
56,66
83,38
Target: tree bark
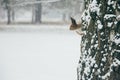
100,56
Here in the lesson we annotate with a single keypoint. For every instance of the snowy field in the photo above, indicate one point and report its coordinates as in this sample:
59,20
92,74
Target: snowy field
41,52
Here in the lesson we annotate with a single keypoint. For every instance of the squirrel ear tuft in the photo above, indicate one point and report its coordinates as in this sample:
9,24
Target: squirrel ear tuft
73,21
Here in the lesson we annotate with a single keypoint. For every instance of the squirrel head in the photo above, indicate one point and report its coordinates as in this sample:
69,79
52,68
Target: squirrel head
74,25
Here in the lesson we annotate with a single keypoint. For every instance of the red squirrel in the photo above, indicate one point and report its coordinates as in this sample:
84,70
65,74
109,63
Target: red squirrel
76,27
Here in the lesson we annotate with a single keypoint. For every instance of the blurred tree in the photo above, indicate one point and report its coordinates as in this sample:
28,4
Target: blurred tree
8,8
68,7
38,12
13,11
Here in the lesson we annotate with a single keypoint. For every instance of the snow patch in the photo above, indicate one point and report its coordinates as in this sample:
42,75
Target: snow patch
118,18
104,59
117,41
101,64
116,62
92,41
105,76
107,16
93,7
96,66
102,51
110,2
109,24
96,45
100,26
101,33
117,50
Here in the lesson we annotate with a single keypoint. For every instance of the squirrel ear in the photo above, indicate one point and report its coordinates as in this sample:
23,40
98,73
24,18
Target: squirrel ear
73,21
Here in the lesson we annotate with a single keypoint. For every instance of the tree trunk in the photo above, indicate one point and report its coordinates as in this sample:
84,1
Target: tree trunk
8,8
100,50
8,15
13,15
38,12
33,14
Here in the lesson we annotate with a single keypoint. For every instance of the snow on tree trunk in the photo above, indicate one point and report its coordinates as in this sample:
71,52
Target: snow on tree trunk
100,46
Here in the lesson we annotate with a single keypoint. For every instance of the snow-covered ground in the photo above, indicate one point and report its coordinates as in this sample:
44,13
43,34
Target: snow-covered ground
41,52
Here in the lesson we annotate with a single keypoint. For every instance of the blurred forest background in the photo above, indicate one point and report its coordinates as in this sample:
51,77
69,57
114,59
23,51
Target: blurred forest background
37,44
39,11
